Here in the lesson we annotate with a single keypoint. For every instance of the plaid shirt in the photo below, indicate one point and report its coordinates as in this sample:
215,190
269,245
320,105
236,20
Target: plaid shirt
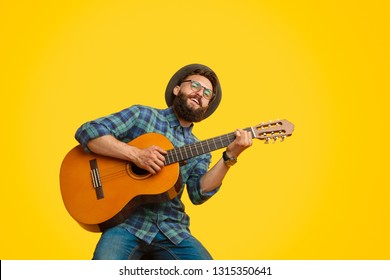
168,217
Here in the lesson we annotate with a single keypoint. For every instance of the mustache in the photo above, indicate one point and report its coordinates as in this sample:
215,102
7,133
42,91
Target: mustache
196,97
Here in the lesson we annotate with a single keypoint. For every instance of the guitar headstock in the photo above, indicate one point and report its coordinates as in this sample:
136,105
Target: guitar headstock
273,130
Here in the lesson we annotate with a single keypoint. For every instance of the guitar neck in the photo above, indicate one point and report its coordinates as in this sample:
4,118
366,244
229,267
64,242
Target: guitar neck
200,148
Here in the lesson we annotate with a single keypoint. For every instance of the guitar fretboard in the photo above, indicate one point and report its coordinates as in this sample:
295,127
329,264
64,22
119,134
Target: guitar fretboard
199,148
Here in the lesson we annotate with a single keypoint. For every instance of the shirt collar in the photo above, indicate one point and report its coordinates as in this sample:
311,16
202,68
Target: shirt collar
173,120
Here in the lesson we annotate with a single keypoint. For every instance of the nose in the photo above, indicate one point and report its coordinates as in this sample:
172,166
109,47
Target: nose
200,92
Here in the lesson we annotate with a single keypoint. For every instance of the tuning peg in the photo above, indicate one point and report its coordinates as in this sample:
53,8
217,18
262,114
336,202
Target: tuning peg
276,139
283,137
267,140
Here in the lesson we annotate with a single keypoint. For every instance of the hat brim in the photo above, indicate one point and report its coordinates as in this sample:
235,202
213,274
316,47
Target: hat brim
185,72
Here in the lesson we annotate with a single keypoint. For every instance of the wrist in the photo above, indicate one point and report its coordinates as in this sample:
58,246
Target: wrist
228,160
132,153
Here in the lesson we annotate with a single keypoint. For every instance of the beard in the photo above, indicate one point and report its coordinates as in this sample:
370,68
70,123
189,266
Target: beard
184,111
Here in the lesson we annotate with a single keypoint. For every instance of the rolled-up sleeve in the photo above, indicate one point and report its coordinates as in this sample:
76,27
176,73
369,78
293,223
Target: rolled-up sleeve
117,125
193,183
89,131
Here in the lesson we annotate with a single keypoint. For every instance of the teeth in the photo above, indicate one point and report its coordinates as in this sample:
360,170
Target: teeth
195,100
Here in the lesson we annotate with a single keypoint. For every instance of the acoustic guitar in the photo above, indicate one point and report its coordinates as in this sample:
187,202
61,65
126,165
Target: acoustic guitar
100,192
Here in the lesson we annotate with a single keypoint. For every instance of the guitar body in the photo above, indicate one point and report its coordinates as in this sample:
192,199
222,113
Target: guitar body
100,192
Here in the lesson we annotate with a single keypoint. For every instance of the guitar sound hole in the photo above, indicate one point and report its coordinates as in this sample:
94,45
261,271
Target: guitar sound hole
136,171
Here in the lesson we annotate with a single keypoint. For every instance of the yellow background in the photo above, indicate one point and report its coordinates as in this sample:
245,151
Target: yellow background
322,194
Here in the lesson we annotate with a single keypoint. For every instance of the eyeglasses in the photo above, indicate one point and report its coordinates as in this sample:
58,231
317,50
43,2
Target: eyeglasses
196,86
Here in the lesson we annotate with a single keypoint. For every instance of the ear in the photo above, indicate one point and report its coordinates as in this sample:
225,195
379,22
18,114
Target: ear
176,90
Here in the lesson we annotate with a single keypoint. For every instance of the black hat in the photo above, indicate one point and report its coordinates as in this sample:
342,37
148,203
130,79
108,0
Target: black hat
185,72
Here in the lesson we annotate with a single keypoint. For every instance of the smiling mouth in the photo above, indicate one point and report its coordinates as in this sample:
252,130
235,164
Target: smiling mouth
195,100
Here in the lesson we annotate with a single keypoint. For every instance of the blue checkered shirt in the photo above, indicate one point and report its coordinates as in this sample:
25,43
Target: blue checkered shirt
168,217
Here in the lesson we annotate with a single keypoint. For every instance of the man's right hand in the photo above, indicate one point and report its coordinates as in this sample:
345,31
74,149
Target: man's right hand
151,159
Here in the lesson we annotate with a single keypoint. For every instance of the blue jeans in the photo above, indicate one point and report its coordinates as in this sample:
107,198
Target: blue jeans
119,244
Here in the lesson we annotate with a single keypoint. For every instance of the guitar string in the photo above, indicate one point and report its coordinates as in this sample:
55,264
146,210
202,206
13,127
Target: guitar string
175,155
197,146
113,172
182,153
120,170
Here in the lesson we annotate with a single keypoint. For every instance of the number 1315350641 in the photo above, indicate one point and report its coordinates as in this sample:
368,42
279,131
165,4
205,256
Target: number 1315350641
242,270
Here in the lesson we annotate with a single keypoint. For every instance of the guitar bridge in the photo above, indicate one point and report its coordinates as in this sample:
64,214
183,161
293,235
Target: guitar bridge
96,181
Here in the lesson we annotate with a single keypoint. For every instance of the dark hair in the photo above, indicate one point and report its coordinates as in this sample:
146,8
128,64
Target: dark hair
210,75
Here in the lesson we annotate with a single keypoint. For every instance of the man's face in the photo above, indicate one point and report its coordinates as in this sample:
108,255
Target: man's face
189,103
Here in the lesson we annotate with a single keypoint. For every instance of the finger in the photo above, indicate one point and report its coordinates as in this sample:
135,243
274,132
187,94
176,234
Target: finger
160,163
148,167
156,168
160,150
250,140
245,139
249,135
242,135
159,156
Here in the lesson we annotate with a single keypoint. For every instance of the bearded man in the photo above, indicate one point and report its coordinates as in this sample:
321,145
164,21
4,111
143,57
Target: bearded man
160,230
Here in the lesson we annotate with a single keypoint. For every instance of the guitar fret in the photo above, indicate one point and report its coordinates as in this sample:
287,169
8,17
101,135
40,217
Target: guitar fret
185,151
201,147
198,148
169,158
215,144
188,152
197,151
177,157
207,142
181,154
220,139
